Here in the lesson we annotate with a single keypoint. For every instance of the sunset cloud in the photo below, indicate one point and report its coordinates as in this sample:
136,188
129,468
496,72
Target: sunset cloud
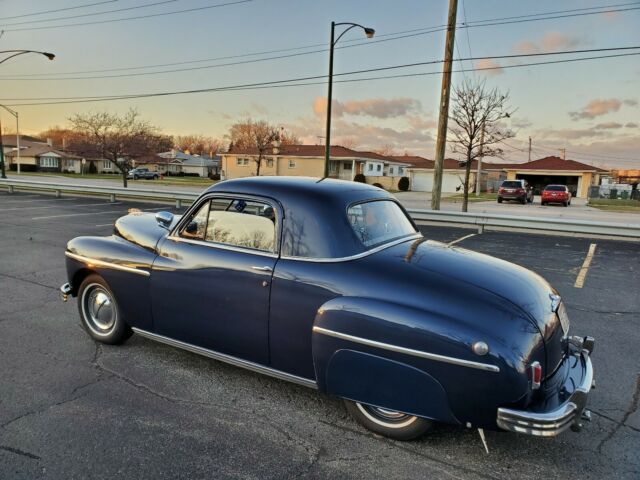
608,126
549,42
374,107
493,67
601,106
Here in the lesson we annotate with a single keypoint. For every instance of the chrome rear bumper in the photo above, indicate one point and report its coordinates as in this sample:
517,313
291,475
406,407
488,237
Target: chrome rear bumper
65,291
554,422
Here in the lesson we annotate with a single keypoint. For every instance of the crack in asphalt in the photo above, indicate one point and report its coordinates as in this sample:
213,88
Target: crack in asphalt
617,422
396,444
633,406
17,451
33,282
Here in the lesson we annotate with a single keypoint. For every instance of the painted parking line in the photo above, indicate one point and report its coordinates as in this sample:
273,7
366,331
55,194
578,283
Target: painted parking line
11,203
461,239
582,274
56,206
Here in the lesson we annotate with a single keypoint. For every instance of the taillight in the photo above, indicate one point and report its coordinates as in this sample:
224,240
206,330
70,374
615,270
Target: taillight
520,190
501,190
536,375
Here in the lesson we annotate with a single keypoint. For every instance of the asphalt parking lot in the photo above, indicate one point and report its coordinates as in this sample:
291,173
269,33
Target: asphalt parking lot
70,408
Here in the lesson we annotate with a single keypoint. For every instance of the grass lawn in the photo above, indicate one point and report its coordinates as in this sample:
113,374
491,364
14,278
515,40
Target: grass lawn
483,197
184,181
615,205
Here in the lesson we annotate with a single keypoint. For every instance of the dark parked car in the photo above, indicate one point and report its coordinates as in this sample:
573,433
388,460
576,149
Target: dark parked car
329,284
145,173
556,194
519,190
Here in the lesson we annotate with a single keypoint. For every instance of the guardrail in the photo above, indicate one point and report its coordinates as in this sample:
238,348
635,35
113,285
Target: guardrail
479,220
110,191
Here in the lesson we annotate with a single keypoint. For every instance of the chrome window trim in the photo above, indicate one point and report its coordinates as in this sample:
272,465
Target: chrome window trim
223,357
102,263
407,351
175,236
377,249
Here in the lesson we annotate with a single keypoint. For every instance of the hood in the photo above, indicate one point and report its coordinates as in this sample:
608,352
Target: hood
142,229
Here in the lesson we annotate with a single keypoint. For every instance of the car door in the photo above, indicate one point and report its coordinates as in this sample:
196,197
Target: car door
211,280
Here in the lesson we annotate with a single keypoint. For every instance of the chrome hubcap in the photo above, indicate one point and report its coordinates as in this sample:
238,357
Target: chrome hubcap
385,417
99,309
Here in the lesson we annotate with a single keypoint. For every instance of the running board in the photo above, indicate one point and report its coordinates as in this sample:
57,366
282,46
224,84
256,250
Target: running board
222,357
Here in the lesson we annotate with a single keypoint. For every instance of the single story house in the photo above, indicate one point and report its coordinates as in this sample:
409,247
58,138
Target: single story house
308,161
175,162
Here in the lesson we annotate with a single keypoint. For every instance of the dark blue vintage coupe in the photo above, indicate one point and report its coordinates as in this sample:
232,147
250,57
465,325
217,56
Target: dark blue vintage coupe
329,284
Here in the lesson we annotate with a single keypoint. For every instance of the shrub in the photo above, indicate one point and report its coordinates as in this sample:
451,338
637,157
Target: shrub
360,178
403,184
378,185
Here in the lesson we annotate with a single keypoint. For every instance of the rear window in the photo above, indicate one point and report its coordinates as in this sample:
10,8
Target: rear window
512,184
378,222
556,188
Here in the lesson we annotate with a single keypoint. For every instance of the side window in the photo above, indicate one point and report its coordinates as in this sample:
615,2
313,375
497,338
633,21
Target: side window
234,222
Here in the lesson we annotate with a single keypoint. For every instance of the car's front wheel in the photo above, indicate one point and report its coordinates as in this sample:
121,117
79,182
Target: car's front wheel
392,424
99,312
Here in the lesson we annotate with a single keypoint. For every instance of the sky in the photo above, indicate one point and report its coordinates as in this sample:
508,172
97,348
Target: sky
589,108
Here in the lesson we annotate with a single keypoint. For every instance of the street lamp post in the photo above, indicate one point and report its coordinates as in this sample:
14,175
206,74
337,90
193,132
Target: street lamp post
369,32
15,114
15,53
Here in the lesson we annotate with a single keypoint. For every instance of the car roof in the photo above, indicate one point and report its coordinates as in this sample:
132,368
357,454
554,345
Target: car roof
316,223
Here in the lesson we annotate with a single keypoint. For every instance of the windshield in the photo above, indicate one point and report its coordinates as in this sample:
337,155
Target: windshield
555,188
512,184
379,222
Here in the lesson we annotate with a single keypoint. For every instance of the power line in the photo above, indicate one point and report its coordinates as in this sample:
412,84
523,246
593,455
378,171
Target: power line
290,82
410,33
86,5
542,149
180,70
82,15
97,22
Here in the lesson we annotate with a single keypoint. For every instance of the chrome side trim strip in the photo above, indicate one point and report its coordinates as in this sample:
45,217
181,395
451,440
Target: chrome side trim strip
354,257
223,357
407,351
102,263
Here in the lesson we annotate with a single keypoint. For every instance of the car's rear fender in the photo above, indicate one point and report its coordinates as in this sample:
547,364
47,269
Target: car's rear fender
385,354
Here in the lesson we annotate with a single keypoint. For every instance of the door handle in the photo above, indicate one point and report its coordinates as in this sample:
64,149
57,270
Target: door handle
262,269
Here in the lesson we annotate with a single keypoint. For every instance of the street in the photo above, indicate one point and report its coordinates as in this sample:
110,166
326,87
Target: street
70,408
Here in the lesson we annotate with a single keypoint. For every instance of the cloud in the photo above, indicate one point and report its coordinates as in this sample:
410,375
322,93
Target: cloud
608,126
493,67
549,42
601,106
632,125
374,107
520,123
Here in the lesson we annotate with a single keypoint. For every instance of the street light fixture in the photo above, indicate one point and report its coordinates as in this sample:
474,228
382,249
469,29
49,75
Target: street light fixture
15,53
369,32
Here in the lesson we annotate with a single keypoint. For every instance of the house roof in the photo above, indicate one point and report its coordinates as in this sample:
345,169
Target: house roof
337,151
553,163
39,149
186,159
10,140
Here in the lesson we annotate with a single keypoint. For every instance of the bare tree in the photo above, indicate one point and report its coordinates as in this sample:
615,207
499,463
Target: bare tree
259,135
386,150
197,144
119,139
349,142
478,127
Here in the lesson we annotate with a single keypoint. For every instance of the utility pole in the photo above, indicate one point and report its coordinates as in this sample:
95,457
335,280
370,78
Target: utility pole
443,119
529,148
2,173
479,173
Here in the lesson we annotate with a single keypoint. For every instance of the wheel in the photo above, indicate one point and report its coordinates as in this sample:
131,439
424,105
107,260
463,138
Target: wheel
499,199
389,423
565,204
543,203
136,177
523,201
569,202
99,312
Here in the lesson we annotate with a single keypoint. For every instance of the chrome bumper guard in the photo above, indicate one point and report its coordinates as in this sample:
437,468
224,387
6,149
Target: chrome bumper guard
65,291
552,423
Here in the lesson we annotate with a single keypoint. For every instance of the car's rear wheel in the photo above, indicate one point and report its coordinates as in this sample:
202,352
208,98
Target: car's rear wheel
392,424
499,200
543,203
99,311
565,204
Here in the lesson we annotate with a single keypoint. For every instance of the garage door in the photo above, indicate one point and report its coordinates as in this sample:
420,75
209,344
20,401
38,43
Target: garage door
421,181
451,181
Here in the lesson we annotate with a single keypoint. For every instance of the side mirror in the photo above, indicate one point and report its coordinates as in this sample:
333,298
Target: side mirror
164,219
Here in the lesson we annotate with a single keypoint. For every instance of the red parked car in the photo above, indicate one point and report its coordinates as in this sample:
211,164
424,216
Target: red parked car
556,194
